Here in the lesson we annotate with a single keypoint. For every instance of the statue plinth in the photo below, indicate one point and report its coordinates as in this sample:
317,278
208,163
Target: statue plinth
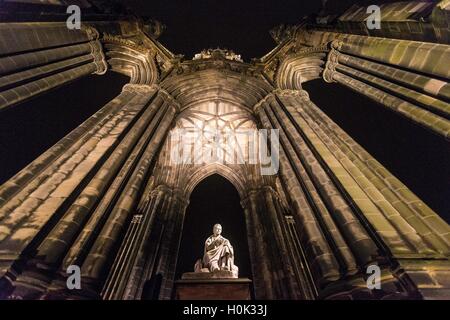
219,274
212,289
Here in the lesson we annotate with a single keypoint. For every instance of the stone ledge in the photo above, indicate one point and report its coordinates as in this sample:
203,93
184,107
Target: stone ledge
219,274
213,289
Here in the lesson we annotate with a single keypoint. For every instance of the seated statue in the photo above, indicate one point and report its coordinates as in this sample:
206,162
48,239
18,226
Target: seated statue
218,256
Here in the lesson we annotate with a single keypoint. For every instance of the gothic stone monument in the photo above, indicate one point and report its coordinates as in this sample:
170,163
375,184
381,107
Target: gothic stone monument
107,197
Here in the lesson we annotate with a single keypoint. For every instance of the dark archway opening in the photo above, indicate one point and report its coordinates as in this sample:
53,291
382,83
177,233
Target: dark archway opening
30,128
415,155
214,200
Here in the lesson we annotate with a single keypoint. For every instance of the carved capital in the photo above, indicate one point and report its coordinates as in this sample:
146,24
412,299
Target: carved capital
139,88
99,57
176,194
136,219
336,44
161,189
91,32
166,96
135,44
332,61
254,192
261,103
180,196
292,93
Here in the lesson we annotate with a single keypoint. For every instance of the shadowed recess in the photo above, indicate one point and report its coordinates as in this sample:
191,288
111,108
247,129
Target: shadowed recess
214,200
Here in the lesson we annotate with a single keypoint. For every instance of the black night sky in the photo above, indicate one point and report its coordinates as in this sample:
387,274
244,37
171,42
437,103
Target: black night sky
241,26
416,156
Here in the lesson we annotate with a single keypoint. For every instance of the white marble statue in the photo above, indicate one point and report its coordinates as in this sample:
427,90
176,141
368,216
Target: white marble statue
218,256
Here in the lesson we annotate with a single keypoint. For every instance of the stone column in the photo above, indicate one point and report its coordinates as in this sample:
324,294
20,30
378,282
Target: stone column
103,250
379,219
170,244
272,268
419,82
424,58
327,252
145,248
301,267
427,108
33,62
394,200
153,249
54,209
32,198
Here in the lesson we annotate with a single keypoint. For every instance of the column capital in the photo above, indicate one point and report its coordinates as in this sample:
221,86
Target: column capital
261,102
283,93
336,44
99,57
166,96
332,61
140,88
292,93
255,191
173,192
91,32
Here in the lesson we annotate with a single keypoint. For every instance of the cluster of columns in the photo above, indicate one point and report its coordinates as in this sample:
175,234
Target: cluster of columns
416,89
146,263
350,212
33,62
70,205
274,266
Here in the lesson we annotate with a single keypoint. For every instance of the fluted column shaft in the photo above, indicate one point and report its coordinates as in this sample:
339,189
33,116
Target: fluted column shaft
147,246
153,251
435,123
89,185
377,82
127,274
32,198
379,219
103,249
423,57
325,247
170,244
57,242
271,264
37,63
431,86
269,271
396,205
262,282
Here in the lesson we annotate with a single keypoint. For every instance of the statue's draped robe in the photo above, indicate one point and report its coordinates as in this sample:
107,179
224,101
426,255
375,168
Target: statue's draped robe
219,256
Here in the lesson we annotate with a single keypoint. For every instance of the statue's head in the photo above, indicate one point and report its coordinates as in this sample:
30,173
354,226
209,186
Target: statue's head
217,229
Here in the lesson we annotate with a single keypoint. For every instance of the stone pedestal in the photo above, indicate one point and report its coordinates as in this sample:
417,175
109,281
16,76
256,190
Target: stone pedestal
213,289
219,274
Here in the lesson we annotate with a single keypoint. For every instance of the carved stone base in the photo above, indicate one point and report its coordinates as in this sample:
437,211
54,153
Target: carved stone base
219,274
213,289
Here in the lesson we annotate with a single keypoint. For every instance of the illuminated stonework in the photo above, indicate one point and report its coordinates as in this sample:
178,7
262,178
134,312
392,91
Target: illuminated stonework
215,53
217,131
108,198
